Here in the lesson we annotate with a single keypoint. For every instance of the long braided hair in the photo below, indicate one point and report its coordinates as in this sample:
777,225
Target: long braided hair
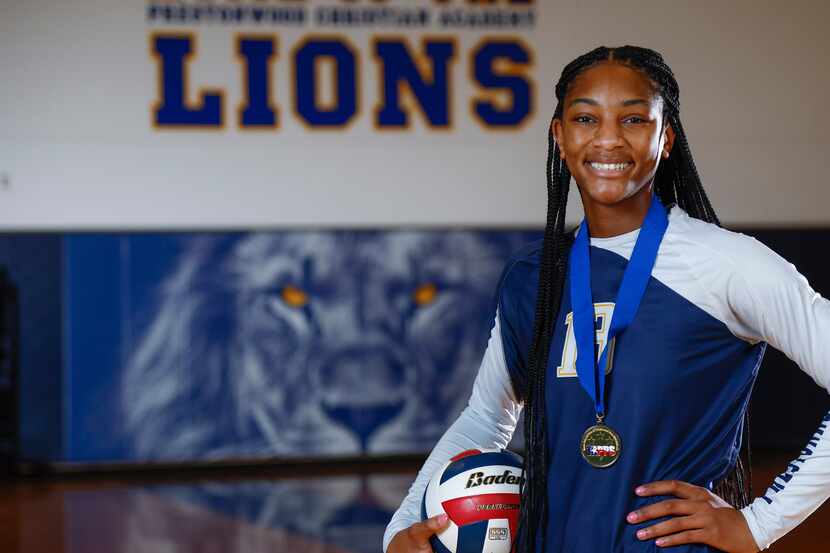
676,182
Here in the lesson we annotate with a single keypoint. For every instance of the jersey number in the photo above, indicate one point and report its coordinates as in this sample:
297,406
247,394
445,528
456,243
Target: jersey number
602,318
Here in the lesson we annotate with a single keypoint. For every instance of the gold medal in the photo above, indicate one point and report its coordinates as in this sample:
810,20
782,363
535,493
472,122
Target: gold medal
600,445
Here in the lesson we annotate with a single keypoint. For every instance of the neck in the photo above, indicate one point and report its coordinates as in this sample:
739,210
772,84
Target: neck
605,221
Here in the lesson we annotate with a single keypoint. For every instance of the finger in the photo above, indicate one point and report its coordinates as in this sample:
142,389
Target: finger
689,536
677,488
421,531
669,527
669,507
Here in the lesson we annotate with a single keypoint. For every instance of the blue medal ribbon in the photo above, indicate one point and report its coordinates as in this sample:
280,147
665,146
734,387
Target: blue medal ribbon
635,279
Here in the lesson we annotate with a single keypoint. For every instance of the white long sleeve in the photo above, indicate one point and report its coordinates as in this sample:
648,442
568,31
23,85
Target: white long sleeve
487,422
775,302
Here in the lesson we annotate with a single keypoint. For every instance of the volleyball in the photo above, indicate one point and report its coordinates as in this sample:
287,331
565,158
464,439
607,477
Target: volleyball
479,491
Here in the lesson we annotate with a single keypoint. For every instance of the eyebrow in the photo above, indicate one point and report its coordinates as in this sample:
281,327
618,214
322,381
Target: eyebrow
592,102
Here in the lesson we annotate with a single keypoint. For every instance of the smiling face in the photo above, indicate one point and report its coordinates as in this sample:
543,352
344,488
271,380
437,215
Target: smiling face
610,134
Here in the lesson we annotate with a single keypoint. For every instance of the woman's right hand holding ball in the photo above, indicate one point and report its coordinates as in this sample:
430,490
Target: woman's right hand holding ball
415,539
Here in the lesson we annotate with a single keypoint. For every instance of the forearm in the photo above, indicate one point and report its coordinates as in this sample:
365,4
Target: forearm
469,431
795,493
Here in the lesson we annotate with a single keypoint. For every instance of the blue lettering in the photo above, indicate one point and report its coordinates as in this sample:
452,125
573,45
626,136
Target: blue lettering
307,96
431,91
173,52
257,109
514,82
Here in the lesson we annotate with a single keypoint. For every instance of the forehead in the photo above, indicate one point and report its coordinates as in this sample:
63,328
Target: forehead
612,82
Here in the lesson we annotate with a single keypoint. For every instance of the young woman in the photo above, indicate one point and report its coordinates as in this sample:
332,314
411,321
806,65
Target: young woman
635,446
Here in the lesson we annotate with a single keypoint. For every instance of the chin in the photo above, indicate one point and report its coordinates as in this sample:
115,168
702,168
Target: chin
610,193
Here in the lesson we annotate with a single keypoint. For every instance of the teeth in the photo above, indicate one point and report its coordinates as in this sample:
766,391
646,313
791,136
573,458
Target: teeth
609,166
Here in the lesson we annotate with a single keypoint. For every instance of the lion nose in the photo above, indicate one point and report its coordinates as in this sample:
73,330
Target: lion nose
362,390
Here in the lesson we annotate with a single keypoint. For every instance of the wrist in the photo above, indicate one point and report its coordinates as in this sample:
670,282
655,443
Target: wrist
756,535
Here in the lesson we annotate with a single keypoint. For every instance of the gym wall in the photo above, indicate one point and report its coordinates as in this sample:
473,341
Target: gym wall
249,229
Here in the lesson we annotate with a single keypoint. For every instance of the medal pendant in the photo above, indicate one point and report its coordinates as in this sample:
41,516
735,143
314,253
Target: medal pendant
600,446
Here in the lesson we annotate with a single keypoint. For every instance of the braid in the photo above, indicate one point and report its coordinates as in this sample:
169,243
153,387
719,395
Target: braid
676,182
551,281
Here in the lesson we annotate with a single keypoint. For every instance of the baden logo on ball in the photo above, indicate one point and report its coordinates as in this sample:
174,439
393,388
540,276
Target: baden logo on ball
479,491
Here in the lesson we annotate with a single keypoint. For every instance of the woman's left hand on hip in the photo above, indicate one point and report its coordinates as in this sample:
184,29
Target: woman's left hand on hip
698,516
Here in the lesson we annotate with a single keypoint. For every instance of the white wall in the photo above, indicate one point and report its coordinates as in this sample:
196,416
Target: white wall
79,152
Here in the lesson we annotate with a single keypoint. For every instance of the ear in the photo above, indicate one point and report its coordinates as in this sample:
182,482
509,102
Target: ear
668,141
558,134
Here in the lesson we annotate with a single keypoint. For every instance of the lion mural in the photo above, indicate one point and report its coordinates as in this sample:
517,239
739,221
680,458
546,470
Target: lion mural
311,343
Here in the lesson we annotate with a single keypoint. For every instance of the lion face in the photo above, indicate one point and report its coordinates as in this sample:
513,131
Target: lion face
308,343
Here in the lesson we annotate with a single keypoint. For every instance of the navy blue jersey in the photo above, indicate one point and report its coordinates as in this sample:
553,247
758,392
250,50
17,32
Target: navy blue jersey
678,384
677,389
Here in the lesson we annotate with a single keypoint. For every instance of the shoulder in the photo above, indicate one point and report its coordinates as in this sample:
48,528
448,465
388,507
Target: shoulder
731,276
519,280
706,246
520,266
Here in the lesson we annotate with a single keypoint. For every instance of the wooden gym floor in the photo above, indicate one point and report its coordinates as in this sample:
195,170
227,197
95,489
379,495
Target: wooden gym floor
329,510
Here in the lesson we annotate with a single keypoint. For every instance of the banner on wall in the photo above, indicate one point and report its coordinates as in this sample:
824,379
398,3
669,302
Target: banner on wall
319,49
233,114
290,344
262,113
199,346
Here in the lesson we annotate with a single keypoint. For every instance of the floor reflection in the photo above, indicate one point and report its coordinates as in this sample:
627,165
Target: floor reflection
170,513
321,515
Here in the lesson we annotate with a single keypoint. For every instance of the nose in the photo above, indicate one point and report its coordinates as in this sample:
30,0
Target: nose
363,388
608,135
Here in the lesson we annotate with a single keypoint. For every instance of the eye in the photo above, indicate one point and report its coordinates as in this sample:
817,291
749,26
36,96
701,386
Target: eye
293,296
583,119
425,294
636,119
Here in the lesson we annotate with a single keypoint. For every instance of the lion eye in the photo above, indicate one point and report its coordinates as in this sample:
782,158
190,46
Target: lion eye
425,294
294,296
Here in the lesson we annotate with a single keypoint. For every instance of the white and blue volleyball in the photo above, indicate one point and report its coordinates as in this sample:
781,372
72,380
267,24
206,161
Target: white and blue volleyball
479,490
